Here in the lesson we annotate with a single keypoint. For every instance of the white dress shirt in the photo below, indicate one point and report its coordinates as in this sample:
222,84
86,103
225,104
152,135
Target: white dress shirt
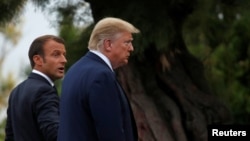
43,75
104,58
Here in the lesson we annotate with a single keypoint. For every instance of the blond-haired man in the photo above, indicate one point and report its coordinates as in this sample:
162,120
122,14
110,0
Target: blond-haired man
94,107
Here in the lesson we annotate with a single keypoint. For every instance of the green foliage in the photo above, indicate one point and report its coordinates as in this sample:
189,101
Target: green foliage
41,3
221,40
10,9
2,130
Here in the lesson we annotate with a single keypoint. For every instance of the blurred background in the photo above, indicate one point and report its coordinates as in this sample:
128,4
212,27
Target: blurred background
190,67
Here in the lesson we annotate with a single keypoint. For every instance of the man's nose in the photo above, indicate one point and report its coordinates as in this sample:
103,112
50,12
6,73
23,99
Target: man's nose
131,48
64,59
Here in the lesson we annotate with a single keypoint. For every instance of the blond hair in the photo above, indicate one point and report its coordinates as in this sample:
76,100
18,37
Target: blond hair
108,28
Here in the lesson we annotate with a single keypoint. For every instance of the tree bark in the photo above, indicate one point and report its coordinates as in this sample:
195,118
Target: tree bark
166,101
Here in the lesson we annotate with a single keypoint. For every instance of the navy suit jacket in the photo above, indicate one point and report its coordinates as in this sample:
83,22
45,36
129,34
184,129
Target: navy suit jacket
93,105
33,111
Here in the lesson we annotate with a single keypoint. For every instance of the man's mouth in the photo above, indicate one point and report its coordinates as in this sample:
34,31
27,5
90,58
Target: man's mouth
61,69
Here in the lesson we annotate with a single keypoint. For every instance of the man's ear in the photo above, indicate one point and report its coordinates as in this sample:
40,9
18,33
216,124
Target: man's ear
38,60
107,44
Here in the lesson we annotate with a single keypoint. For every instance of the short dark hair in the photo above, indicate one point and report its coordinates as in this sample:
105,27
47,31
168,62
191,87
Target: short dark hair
36,47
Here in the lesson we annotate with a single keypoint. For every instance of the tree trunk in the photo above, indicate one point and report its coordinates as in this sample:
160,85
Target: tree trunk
166,102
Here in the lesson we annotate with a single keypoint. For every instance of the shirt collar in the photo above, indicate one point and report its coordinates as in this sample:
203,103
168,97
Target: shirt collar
104,58
43,75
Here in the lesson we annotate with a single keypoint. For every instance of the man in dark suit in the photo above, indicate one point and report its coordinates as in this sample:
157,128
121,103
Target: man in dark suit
93,106
33,110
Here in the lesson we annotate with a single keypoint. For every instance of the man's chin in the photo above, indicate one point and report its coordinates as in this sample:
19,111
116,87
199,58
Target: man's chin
59,76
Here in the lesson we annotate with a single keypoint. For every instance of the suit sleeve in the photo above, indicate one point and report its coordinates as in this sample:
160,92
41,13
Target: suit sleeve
47,112
105,108
8,128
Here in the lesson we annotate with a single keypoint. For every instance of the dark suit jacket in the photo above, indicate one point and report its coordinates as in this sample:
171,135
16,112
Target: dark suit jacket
33,111
93,105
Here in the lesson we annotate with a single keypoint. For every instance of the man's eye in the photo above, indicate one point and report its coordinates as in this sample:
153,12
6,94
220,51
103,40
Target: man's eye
55,54
128,43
